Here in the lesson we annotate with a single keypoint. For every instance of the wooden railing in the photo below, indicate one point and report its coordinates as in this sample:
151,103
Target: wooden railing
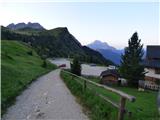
124,96
152,87
148,85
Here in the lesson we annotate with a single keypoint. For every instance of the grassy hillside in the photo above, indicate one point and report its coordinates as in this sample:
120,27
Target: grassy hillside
144,108
20,65
56,42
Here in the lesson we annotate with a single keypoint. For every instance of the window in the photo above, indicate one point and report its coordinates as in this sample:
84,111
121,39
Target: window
157,71
158,81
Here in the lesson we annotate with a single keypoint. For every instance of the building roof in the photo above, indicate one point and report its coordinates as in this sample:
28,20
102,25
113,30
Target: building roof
153,52
151,63
113,72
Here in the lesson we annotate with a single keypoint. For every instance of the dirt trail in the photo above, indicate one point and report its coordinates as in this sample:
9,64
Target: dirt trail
46,98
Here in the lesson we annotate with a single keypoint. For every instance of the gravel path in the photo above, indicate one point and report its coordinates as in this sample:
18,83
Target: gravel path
47,98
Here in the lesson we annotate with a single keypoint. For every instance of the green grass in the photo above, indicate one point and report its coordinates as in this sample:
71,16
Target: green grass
144,108
93,78
20,65
98,108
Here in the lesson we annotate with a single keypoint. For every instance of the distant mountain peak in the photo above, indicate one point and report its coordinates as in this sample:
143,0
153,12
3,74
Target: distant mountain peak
23,25
97,41
97,44
29,23
106,50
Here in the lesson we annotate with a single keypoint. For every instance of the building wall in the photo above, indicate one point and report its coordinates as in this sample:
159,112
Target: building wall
151,77
109,80
151,73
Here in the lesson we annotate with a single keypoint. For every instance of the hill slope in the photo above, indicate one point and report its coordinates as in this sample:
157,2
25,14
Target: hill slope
56,42
20,65
111,55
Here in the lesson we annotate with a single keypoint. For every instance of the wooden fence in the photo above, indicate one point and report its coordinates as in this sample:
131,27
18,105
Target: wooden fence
120,105
148,85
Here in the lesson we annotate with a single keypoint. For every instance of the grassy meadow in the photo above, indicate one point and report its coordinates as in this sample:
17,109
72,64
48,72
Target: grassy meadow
20,65
144,108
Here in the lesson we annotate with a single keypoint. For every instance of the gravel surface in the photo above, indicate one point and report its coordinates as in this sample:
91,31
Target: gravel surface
47,98
92,70
86,69
60,61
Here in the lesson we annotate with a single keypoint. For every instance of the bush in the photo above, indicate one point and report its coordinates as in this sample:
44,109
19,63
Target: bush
76,66
30,53
8,56
44,65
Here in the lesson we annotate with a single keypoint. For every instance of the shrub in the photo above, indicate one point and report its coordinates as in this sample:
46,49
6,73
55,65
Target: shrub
44,64
8,56
30,53
76,66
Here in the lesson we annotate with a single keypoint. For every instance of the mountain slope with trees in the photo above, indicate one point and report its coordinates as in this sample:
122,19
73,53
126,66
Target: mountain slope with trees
56,42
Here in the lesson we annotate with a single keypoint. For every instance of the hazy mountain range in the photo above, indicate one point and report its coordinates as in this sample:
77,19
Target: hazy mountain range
107,51
25,26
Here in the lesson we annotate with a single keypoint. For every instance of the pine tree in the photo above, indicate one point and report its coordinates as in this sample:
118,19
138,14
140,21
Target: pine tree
130,68
76,66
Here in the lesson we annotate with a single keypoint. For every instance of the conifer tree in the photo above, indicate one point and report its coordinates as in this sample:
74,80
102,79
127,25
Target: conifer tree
131,68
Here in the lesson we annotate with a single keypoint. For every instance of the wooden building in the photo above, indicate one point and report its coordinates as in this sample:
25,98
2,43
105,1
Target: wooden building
152,66
109,77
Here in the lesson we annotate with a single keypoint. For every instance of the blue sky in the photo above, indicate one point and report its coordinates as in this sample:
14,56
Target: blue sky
111,22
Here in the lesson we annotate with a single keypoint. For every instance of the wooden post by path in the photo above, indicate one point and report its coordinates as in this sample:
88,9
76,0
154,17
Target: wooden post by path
122,108
72,77
84,85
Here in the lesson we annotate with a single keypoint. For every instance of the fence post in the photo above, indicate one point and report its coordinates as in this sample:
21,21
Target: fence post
122,108
84,85
72,77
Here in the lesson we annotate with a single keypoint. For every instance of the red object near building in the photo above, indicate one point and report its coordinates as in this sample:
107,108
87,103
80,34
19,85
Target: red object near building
63,65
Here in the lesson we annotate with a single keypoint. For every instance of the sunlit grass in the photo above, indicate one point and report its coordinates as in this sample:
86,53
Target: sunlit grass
144,108
19,68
